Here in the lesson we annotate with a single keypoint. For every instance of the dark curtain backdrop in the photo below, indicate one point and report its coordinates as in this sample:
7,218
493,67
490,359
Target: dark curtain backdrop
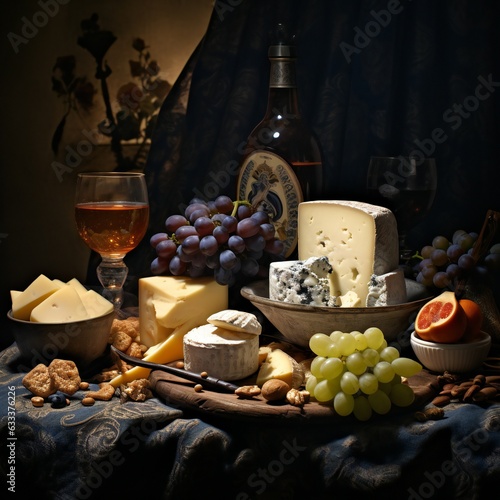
374,78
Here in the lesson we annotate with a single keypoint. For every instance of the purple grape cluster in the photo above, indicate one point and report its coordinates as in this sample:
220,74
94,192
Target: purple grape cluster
223,237
445,261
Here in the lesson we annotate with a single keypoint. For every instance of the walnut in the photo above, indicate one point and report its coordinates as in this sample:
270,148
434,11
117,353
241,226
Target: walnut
137,390
297,398
248,391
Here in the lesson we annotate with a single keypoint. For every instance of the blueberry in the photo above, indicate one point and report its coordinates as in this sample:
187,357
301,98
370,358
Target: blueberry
57,400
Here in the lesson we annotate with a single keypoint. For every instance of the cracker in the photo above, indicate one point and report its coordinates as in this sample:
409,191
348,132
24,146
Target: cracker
121,341
129,326
39,382
134,350
65,376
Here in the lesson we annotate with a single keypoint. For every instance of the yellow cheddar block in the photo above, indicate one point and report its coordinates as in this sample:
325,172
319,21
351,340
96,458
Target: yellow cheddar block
167,351
64,305
169,302
23,303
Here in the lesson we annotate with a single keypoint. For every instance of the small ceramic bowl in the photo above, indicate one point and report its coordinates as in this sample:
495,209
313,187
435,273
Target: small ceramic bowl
298,323
82,341
454,358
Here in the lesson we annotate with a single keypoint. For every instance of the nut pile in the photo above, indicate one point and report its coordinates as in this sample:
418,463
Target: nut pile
478,389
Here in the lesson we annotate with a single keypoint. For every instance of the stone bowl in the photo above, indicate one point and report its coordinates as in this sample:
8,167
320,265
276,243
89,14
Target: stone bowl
83,342
461,357
298,323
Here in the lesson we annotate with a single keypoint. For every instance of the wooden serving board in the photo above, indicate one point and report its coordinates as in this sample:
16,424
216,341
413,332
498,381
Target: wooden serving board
180,393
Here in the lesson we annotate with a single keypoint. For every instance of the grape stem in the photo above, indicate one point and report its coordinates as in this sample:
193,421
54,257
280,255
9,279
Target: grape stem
239,203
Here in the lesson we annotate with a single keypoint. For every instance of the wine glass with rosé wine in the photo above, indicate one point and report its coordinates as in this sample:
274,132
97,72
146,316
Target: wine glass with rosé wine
112,216
406,186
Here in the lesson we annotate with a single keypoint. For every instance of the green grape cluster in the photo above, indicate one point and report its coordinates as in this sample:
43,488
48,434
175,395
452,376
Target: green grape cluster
445,261
359,373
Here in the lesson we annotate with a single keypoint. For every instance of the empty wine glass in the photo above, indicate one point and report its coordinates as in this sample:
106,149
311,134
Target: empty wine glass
112,215
405,185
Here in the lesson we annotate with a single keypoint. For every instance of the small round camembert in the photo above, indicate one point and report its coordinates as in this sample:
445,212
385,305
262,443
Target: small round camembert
222,353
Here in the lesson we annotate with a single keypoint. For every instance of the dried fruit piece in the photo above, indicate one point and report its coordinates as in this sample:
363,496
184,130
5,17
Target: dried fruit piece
442,319
105,393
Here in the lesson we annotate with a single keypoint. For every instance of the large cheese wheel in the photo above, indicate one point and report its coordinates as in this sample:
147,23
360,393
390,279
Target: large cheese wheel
224,354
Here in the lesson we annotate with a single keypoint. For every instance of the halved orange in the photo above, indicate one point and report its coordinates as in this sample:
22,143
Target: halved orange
442,319
474,317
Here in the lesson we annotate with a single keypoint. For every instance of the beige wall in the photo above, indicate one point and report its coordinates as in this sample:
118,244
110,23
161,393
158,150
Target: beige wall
37,233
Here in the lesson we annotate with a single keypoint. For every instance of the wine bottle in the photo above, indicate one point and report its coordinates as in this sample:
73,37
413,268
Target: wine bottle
282,164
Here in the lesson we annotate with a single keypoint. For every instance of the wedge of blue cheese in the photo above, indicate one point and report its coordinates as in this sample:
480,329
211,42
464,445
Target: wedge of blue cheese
312,282
305,282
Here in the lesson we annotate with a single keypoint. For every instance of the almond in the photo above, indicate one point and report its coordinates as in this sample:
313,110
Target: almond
275,390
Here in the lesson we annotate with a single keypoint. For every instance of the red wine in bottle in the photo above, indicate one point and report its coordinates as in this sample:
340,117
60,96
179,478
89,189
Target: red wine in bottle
282,166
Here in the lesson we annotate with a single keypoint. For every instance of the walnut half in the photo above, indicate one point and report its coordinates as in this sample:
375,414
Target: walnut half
298,398
247,391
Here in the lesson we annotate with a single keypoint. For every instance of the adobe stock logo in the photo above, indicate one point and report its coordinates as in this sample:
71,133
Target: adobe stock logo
40,19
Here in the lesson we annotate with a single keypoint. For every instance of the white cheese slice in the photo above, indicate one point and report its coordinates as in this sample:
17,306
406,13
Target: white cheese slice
169,302
224,354
387,290
95,303
63,306
77,286
359,240
39,289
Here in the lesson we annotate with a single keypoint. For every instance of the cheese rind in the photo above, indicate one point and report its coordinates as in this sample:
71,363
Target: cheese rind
387,290
222,353
238,321
359,240
169,302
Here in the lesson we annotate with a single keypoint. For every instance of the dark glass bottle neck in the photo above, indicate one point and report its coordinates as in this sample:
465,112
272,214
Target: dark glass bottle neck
283,98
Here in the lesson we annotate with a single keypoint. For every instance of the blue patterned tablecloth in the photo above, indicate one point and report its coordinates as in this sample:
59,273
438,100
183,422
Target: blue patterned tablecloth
153,450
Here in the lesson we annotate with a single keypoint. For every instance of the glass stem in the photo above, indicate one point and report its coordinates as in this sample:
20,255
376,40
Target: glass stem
112,274
405,253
